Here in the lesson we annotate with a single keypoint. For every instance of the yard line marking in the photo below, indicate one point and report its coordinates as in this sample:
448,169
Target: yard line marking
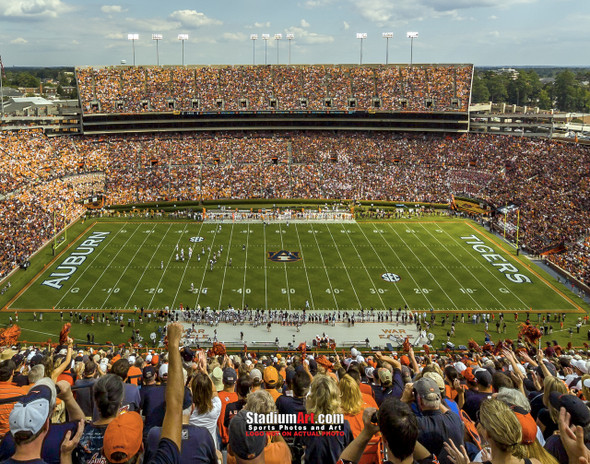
226,262
502,284
184,272
245,267
363,262
430,273
108,265
128,264
285,264
265,275
345,269
90,265
165,269
324,266
206,264
407,270
305,268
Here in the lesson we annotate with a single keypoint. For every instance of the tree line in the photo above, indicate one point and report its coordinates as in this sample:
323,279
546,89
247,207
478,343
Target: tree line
567,90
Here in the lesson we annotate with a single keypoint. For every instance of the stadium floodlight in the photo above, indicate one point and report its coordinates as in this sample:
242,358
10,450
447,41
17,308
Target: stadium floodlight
361,36
412,36
253,38
387,36
290,37
278,37
156,38
266,38
182,38
133,38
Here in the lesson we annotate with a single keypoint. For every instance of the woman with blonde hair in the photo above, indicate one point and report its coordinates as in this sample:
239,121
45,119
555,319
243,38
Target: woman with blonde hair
500,428
323,402
547,417
353,406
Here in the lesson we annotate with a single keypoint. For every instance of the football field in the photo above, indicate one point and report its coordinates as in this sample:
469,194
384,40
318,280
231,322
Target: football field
450,265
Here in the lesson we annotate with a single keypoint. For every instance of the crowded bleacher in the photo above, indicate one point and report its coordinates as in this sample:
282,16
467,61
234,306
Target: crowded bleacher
548,180
424,88
513,402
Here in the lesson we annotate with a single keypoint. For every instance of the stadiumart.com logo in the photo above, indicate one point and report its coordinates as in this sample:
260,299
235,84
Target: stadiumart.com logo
283,256
289,423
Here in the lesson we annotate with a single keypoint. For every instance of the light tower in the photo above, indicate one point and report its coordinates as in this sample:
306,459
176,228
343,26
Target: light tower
387,36
361,36
182,38
253,38
290,38
266,38
133,38
278,37
156,38
412,36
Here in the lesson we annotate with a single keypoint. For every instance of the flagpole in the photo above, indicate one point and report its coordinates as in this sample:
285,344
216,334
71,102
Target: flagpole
517,229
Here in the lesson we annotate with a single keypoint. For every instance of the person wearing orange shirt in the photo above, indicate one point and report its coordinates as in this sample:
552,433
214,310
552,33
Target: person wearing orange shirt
272,381
227,396
7,390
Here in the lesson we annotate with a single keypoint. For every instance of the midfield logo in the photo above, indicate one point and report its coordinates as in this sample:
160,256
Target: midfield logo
284,256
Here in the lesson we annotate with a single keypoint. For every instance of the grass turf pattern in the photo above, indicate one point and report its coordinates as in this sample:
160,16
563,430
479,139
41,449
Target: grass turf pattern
447,265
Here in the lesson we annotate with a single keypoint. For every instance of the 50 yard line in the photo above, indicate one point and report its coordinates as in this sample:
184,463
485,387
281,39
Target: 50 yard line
305,268
285,264
245,268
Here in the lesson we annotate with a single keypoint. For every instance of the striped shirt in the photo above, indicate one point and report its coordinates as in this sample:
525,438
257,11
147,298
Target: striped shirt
7,390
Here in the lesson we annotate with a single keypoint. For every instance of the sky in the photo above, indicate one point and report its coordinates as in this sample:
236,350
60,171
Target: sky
482,32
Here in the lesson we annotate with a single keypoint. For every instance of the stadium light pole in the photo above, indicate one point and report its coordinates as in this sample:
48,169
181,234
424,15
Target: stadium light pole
253,38
412,36
361,36
156,38
387,36
290,38
278,37
133,38
265,37
182,38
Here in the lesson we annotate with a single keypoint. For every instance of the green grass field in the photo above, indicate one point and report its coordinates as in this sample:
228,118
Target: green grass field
447,265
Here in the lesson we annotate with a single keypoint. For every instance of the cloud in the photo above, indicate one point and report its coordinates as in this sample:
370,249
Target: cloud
112,9
304,23
238,36
32,8
346,26
493,17
317,3
308,37
115,36
386,12
193,18
19,41
259,25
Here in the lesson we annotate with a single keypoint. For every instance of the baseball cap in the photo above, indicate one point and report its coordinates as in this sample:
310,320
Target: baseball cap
124,435
217,378
229,376
404,360
370,372
572,404
460,366
163,372
32,411
271,376
437,378
528,424
155,360
483,377
385,376
256,374
243,445
427,389
148,373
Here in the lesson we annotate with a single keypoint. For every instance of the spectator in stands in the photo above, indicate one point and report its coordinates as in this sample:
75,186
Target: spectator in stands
399,428
324,398
296,403
243,389
226,396
123,440
206,400
7,390
109,392
131,399
436,423
84,388
272,381
247,448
